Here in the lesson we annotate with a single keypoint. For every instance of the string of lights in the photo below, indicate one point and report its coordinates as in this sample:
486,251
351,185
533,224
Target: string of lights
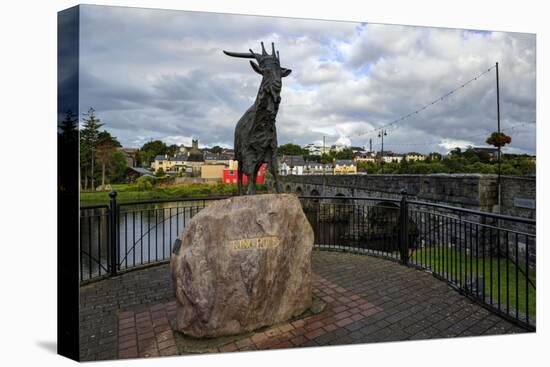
435,101
392,125
485,134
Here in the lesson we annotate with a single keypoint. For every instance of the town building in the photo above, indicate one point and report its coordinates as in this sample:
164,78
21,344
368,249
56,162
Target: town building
291,165
390,157
363,156
230,176
213,172
345,167
314,149
315,168
130,155
492,151
169,164
133,173
338,147
195,159
414,157
217,158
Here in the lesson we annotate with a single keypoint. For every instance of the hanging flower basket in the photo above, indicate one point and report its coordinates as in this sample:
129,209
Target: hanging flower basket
498,139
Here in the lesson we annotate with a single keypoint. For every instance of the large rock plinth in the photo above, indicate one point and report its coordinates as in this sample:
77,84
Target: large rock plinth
243,263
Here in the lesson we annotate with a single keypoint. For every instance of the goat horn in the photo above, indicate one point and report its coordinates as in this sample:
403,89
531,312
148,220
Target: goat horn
263,49
244,55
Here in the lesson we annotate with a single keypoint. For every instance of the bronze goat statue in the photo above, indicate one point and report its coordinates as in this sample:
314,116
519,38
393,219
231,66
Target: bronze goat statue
255,133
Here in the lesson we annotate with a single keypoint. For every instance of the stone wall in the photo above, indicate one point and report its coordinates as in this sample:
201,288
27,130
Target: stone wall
518,195
518,199
473,191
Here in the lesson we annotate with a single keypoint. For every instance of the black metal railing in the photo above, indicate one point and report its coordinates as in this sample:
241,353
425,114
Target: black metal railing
125,235
488,257
95,224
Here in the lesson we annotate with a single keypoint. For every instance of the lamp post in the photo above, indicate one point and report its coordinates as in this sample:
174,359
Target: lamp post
381,135
499,148
324,166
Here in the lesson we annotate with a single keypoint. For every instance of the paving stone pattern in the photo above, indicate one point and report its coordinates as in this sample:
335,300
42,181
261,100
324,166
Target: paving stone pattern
368,300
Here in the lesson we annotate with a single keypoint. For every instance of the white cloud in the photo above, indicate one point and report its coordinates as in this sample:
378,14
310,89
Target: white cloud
160,74
449,144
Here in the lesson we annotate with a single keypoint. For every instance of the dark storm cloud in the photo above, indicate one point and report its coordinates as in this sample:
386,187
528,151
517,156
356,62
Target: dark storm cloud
161,74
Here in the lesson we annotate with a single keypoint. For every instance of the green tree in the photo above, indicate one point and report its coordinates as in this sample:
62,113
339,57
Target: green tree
144,183
456,153
117,167
314,158
150,150
454,165
344,154
479,167
526,166
470,155
434,157
290,149
484,157
160,172
420,168
106,149
216,149
438,167
172,150
326,158
405,166
89,138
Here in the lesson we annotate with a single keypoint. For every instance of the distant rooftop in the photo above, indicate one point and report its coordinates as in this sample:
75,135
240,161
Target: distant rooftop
344,162
292,160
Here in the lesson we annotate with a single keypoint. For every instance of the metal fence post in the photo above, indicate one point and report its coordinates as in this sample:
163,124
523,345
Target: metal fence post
404,229
113,245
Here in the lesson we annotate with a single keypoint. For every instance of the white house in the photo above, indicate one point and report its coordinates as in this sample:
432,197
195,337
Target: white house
291,165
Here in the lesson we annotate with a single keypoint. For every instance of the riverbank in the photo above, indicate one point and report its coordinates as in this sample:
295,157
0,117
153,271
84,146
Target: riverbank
130,192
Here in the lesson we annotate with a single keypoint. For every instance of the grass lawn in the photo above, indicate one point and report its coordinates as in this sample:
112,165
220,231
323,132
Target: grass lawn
129,192
456,264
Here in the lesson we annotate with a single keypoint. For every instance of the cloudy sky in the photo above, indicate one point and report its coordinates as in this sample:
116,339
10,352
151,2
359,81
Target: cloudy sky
160,74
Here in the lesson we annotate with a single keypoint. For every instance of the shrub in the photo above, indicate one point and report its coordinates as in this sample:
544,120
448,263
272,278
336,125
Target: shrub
144,183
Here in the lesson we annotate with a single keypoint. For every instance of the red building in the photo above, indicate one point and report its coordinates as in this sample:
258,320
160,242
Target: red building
230,176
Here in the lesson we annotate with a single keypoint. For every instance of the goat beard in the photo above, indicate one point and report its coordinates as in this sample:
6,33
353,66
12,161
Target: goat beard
272,99
273,104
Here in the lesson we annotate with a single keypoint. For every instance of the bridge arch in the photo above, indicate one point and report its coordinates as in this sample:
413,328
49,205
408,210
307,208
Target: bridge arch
299,191
340,198
288,188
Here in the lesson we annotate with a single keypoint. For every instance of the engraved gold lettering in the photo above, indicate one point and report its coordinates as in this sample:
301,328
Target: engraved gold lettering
256,242
245,243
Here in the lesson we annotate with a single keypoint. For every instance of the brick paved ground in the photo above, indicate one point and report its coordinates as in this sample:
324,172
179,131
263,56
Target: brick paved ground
368,300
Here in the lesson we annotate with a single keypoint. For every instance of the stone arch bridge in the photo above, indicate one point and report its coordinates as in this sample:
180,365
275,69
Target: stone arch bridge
472,191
